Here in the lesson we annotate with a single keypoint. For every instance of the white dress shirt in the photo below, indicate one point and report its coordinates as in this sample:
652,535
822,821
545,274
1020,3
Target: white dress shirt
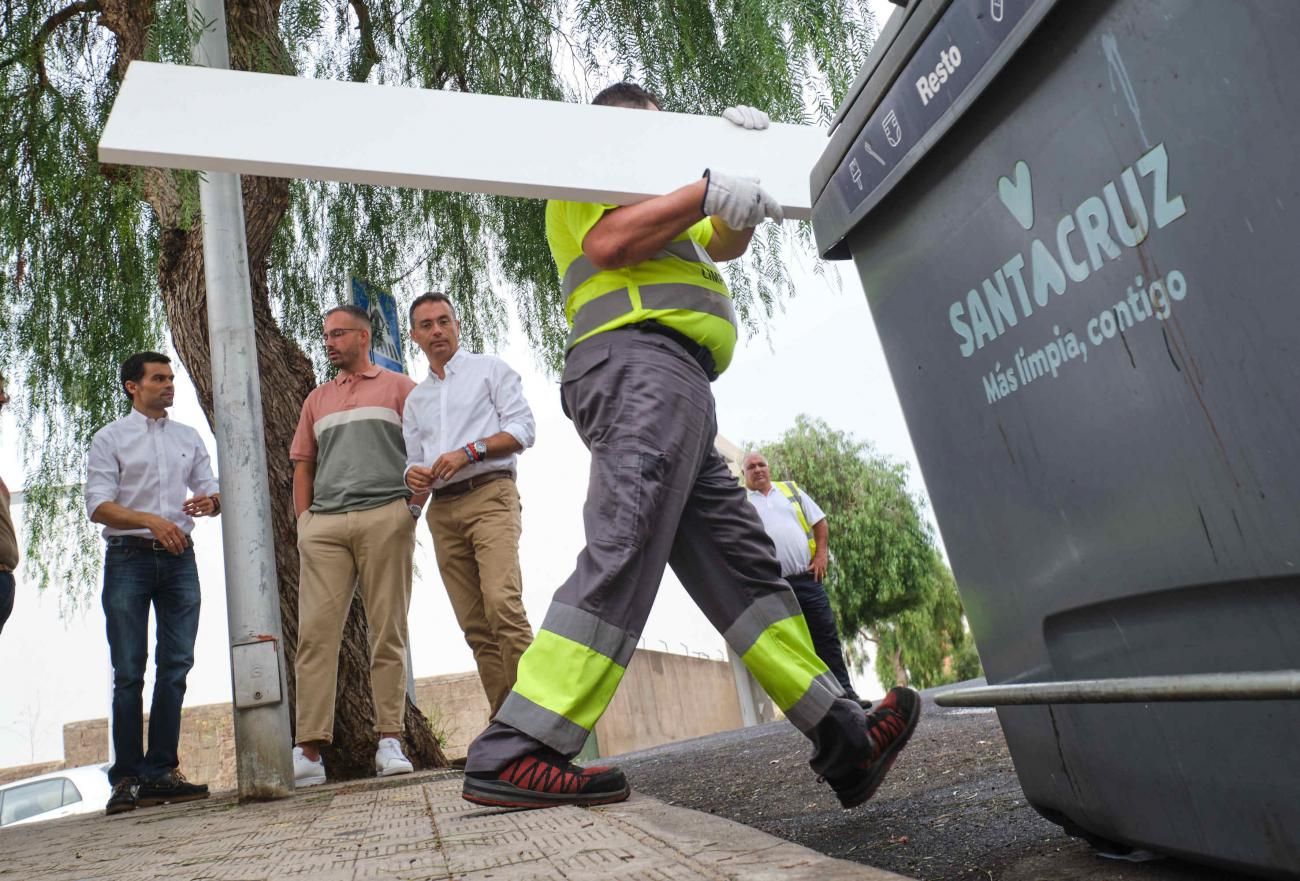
777,514
147,465
481,396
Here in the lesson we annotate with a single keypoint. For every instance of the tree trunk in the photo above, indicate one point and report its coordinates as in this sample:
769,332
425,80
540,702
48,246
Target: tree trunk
900,670
286,377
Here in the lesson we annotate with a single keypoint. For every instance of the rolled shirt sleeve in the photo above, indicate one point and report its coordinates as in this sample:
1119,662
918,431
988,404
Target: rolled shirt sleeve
201,479
512,408
102,476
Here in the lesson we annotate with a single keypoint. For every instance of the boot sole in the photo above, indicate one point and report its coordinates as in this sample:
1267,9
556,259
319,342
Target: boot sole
118,809
863,792
496,794
154,801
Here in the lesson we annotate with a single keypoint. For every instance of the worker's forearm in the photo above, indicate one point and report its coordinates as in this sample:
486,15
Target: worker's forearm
635,233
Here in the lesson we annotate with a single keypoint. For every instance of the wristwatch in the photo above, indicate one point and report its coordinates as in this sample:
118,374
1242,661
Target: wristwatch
415,511
480,450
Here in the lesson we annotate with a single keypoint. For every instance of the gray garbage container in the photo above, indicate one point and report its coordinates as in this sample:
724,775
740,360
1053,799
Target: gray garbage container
1078,228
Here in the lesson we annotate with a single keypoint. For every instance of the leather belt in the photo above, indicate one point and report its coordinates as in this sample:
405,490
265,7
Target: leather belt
141,543
460,487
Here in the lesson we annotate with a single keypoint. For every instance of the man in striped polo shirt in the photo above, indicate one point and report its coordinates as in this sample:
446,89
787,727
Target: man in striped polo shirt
355,518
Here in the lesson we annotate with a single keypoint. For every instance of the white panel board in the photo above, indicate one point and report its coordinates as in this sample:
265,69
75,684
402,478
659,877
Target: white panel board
172,116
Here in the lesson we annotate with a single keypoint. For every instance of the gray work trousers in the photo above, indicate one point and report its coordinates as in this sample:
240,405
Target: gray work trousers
659,494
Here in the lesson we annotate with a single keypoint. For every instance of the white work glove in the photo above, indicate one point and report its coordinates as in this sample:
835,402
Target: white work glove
746,117
739,201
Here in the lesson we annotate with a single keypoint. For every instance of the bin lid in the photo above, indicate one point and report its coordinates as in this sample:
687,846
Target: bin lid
932,61
884,40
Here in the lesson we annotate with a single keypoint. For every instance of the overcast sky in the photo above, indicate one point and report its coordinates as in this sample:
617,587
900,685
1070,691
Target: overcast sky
819,355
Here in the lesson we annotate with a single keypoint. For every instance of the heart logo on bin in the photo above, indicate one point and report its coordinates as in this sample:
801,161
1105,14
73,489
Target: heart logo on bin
1018,196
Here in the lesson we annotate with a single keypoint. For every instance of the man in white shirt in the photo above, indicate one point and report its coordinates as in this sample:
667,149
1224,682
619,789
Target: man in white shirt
137,474
464,425
797,526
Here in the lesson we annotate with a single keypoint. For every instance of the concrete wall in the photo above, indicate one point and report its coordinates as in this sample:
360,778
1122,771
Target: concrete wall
666,697
663,697
18,772
456,707
207,747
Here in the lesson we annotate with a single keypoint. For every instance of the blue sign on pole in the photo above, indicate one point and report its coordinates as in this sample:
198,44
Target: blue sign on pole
385,333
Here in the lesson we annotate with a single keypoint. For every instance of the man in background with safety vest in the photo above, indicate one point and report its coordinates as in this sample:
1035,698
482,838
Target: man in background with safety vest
652,325
798,529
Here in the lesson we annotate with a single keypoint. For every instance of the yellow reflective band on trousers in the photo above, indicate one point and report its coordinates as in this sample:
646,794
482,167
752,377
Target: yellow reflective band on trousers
791,492
783,661
567,678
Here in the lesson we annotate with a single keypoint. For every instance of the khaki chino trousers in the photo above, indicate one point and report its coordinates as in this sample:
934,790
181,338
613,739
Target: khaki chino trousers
374,545
476,539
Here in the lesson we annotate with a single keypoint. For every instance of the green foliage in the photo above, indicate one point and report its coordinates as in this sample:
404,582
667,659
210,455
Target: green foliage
887,581
930,642
81,244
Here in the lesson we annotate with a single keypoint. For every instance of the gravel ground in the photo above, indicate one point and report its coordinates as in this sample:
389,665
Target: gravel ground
950,810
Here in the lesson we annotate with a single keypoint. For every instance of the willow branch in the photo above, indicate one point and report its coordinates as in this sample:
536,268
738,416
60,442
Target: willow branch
51,24
369,55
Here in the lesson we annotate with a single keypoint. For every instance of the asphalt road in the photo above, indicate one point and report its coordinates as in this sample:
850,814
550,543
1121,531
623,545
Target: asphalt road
950,810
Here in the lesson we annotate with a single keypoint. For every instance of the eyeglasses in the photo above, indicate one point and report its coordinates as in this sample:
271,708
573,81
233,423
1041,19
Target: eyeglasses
338,334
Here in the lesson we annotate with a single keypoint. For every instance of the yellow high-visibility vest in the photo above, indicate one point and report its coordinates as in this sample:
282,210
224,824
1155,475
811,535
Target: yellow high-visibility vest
680,287
792,492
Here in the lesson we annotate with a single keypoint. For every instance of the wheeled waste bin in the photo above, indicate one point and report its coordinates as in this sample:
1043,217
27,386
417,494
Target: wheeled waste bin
1078,228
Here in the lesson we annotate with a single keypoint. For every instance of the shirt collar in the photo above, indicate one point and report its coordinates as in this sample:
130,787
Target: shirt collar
454,363
144,421
343,378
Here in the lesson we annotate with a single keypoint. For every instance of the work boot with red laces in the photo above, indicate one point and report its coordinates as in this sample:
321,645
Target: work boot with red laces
889,726
544,779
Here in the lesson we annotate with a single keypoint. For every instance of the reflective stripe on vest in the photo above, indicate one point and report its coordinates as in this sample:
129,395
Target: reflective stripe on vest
616,304
791,492
637,304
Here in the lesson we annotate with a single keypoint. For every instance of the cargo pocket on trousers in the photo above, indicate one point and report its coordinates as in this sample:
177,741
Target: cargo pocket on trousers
627,484
580,361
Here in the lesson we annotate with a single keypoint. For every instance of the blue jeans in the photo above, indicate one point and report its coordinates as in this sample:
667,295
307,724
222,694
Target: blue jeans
134,578
6,597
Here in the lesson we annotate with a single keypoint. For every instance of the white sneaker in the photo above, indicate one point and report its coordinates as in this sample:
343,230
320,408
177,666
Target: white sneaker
389,759
306,772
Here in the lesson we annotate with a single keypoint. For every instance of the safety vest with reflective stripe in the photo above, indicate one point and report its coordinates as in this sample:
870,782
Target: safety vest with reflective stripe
679,287
792,492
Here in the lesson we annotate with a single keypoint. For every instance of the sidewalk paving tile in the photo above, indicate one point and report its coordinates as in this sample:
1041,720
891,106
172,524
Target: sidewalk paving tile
416,828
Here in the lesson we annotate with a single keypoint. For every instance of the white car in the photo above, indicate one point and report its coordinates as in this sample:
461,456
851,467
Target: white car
82,790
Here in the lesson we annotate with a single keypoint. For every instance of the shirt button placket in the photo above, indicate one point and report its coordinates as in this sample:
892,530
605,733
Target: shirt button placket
160,456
